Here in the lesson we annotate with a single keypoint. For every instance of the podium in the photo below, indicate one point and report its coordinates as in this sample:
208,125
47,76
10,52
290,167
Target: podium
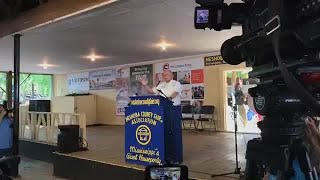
153,132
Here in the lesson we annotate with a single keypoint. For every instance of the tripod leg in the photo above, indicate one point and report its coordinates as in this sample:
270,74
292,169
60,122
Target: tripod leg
309,171
251,171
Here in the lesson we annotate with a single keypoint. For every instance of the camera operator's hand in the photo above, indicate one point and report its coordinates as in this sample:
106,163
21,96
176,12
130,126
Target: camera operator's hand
313,135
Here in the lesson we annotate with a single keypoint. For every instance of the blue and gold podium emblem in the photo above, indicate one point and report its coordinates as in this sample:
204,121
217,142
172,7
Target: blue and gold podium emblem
143,135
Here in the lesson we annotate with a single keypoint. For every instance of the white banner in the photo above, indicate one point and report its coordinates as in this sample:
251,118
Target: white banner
102,79
175,66
78,83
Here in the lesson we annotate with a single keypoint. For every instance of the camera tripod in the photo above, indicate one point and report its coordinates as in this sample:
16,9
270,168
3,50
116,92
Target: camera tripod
280,150
237,168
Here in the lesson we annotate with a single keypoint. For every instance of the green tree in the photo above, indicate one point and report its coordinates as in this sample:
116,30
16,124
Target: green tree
3,84
42,84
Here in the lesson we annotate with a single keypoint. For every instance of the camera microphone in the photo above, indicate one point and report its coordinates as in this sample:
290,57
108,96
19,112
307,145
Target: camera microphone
230,53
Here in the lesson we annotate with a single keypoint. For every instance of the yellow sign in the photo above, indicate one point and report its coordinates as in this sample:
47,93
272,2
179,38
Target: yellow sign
143,135
213,60
144,117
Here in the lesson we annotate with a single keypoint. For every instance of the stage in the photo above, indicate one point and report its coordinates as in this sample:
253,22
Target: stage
204,153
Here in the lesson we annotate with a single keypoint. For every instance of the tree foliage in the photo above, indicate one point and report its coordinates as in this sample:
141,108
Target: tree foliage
42,84
3,84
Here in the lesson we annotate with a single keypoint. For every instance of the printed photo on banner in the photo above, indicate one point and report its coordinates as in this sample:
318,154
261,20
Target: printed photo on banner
186,92
184,77
136,74
122,87
123,72
102,79
197,91
197,76
197,103
78,83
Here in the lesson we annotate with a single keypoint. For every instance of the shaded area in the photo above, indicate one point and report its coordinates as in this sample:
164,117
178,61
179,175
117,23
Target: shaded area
35,170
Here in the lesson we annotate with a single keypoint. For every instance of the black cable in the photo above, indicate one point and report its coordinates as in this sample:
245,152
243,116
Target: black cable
83,146
292,83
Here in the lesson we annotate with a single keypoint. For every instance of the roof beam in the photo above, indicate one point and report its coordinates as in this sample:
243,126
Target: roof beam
52,11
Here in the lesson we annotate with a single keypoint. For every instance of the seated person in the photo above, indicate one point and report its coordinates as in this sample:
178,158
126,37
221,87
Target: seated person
6,133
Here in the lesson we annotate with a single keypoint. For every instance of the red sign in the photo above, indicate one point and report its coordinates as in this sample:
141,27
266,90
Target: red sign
197,76
166,66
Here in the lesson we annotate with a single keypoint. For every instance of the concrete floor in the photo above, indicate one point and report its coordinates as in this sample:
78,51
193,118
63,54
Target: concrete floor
204,153
35,170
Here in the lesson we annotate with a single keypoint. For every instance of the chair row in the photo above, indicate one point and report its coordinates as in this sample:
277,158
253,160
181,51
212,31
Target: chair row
199,114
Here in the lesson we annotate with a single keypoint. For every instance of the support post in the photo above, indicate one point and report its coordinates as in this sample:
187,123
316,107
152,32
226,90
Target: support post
14,161
9,90
16,98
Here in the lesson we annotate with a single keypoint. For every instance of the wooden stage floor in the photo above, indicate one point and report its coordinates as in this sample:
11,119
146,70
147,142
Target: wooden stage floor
204,154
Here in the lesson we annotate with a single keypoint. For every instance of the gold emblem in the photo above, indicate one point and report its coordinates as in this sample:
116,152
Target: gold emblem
143,135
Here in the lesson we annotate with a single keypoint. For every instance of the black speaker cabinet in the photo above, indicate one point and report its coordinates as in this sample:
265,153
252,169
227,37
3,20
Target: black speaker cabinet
68,138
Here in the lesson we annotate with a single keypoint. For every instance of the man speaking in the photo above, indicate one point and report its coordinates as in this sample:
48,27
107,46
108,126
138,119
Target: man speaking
171,89
168,87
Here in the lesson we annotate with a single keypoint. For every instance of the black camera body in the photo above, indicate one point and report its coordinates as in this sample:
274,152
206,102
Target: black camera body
298,23
281,42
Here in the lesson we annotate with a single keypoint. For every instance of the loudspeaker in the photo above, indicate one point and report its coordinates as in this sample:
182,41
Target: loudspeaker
68,138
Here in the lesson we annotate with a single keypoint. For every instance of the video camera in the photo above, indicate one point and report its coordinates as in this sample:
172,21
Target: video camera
298,27
281,42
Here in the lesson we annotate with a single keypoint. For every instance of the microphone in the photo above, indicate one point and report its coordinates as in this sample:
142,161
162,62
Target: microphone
159,90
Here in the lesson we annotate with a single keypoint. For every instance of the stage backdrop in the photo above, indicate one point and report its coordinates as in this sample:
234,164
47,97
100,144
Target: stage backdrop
78,83
122,87
190,74
137,73
102,79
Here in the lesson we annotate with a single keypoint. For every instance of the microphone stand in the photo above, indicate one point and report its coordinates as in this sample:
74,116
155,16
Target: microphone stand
237,169
159,90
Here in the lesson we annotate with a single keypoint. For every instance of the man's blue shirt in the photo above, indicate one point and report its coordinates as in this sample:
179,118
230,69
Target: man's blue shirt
6,133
